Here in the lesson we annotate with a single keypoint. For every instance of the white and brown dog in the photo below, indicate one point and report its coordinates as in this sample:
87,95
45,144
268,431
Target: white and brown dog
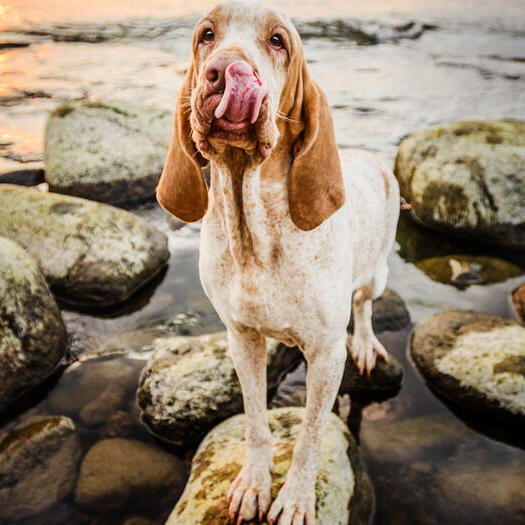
287,236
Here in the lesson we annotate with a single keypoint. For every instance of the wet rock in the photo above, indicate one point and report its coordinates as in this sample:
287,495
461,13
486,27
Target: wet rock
463,270
95,389
107,151
90,253
386,375
389,312
38,463
342,489
410,440
467,178
518,302
190,384
474,359
32,335
28,177
496,492
120,474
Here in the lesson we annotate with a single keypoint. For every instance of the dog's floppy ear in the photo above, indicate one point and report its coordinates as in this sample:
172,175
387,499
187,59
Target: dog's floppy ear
182,190
315,183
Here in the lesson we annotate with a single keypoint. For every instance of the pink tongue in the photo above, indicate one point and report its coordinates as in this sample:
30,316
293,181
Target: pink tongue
243,94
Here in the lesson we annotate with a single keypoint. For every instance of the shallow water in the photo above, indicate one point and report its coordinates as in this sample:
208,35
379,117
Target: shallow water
459,60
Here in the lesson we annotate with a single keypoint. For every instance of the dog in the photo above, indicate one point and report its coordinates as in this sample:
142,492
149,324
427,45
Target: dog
287,235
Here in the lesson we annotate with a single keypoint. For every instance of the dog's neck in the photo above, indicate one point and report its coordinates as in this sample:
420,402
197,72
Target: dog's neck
250,211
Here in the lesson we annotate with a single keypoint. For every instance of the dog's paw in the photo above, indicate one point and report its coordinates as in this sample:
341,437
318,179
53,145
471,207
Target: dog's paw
250,493
365,351
294,505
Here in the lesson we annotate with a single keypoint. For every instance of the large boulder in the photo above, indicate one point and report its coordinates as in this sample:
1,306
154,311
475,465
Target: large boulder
107,151
343,495
467,178
32,335
474,359
120,474
38,464
190,384
90,253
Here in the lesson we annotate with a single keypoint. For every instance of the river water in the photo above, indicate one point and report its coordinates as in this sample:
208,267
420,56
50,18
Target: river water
389,68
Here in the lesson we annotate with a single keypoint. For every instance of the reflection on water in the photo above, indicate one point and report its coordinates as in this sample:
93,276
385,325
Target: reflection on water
428,461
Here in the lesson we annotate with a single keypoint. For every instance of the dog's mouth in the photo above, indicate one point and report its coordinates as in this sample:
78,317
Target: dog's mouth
235,113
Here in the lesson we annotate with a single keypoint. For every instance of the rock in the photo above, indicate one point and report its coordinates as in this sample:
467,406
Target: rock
120,474
32,335
408,441
90,253
496,492
468,179
38,463
389,312
190,384
107,151
95,389
518,302
28,177
474,359
463,270
342,489
386,375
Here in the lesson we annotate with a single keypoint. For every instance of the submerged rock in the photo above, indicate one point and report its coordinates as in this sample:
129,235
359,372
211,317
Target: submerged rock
389,312
386,375
410,440
90,253
107,151
32,335
190,384
120,474
518,302
475,359
342,490
463,270
38,463
467,178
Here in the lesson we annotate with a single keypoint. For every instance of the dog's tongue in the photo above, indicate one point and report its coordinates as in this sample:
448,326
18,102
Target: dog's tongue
243,94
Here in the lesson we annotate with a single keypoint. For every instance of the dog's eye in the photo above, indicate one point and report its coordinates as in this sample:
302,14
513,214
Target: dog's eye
208,36
276,41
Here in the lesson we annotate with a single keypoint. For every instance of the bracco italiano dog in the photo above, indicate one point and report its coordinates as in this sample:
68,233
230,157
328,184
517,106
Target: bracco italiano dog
289,231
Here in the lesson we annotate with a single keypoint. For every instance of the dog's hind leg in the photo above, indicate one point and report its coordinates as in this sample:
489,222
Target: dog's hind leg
295,503
250,493
365,346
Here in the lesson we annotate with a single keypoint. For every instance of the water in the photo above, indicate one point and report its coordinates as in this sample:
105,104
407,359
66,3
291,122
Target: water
384,79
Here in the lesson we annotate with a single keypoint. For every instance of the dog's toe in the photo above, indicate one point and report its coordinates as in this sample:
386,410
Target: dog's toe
293,506
365,353
250,494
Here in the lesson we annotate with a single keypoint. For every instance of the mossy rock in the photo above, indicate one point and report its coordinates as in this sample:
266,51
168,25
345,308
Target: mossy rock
106,151
189,384
468,179
32,335
343,494
474,359
38,464
463,270
90,253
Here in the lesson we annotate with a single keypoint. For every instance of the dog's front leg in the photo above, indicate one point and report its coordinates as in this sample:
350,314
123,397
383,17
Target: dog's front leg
250,493
295,503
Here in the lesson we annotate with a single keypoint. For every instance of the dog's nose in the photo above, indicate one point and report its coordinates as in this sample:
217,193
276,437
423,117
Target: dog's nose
216,73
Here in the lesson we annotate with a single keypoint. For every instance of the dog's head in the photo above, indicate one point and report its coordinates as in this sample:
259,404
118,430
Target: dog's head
248,89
